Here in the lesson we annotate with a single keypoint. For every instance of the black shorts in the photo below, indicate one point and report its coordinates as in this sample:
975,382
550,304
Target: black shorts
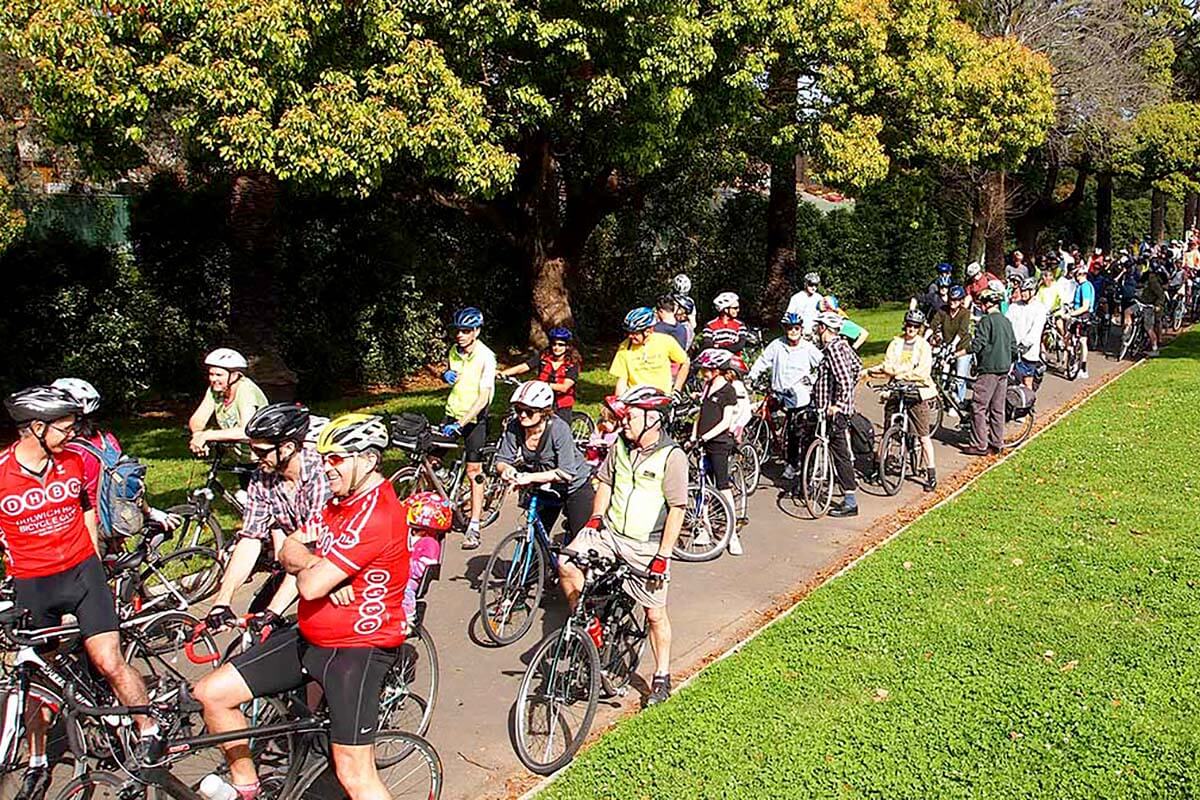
718,454
350,676
81,590
474,439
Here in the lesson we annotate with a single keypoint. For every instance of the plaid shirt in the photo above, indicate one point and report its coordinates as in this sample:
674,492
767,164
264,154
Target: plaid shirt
837,375
270,506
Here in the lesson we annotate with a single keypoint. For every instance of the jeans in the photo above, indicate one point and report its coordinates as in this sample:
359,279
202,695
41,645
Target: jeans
962,368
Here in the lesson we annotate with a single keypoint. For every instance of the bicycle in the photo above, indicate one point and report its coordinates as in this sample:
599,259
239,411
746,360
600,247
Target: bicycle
143,578
709,519
598,649
200,525
765,432
1134,339
304,773
900,453
816,471
513,583
1018,422
1061,352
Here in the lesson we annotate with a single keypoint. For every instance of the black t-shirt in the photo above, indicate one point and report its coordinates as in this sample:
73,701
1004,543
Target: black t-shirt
712,409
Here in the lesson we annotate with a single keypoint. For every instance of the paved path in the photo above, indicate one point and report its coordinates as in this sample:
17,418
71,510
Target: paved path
712,606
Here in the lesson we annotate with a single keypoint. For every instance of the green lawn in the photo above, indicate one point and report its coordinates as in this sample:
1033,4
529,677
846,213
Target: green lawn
1036,637
172,470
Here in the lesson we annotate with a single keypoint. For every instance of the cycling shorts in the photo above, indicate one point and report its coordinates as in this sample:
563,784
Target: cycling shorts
351,677
474,439
718,454
81,591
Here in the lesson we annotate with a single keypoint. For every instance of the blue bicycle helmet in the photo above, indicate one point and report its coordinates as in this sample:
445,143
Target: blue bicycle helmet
686,303
943,280
790,318
468,318
639,319
957,292
559,334
944,268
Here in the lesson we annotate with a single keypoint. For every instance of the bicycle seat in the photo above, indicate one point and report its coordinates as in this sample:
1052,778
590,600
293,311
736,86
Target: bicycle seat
130,560
488,451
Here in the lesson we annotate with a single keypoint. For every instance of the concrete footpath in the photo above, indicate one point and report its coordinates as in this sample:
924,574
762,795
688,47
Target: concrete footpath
713,605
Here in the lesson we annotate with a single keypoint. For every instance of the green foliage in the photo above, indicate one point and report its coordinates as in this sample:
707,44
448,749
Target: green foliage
1047,650
12,219
1162,148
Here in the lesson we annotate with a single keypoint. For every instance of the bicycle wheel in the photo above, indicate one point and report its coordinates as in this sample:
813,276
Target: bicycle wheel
102,786
196,530
192,573
816,482
1016,431
1130,340
511,588
939,415
741,497
494,492
410,688
624,643
893,459
1073,360
408,766
155,650
708,523
582,427
758,436
1177,316
751,466
557,701
404,481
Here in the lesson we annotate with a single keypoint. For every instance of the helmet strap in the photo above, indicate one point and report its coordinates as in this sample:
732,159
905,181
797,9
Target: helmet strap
41,437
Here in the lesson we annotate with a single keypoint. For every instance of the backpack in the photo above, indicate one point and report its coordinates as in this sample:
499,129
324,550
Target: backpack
120,489
862,443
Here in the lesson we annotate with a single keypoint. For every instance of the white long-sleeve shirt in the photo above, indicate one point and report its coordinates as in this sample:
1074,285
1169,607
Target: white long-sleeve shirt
806,305
1028,321
792,370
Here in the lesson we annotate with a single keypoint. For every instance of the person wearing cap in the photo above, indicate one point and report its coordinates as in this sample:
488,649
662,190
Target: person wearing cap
952,327
641,496
833,394
232,399
1028,317
994,346
806,303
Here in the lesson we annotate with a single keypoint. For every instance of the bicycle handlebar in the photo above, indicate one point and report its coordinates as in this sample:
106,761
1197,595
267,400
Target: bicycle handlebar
71,698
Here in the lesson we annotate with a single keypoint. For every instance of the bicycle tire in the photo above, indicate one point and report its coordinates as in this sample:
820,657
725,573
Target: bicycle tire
1177,316
1016,431
494,493
501,585
582,427
1072,358
154,648
758,436
752,465
580,657
191,531
816,479
708,525
100,785
421,777
741,494
406,700
194,572
939,416
404,481
624,644
893,460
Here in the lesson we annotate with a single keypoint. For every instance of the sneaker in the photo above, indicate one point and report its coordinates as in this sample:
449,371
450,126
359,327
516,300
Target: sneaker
735,545
34,784
660,690
1083,376
844,510
789,473
930,481
471,539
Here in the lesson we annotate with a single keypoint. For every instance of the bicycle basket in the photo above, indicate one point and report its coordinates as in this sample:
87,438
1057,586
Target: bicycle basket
411,432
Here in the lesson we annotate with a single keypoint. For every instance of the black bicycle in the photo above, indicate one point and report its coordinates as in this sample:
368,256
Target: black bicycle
597,650
900,454
200,524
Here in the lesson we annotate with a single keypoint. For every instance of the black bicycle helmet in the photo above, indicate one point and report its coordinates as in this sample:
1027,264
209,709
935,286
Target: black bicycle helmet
278,423
44,403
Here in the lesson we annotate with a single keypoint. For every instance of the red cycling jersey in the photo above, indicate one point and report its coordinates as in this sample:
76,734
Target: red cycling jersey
41,517
366,537
728,333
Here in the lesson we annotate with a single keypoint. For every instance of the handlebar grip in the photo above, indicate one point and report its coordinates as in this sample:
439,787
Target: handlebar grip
189,648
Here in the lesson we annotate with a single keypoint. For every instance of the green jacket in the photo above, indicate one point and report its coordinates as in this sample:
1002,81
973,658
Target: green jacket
994,344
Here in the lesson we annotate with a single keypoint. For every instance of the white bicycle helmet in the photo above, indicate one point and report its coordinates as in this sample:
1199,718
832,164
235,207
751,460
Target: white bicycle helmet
714,358
226,358
84,393
681,283
533,394
812,279
831,320
725,300
315,426
973,269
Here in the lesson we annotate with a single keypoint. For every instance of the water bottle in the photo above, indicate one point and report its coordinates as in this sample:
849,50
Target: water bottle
594,629
214,787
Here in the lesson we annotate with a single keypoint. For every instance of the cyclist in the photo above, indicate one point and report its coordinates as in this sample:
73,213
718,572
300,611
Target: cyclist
639,511
92,445
351,615
645,357
472,377
685,315
681,287
935,300
1083,304
667,320
1017,267
977,281
909,358
726,331
536,448
287,490
1155,299
806,303
951,327
833,394
995,348
231,399
558,365
1028,317
791,359
48,525
853,332
713,427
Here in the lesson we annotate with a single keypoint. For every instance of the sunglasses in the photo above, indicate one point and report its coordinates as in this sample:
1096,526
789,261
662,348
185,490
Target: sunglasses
558,343
793,327
335,460
261,453
523,411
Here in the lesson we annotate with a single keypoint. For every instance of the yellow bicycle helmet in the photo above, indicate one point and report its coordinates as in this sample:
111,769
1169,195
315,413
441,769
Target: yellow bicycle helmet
353,433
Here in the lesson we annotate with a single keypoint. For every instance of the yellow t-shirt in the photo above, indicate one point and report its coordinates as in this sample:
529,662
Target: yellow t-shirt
1049,297
649,363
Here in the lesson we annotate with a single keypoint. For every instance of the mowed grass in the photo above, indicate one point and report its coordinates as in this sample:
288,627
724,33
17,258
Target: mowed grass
172,470
1034,638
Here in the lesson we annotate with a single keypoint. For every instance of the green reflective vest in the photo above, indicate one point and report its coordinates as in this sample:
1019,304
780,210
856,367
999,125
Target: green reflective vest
638,509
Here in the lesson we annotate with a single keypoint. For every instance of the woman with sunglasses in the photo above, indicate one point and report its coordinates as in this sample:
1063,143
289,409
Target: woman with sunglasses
537,447
713,428
559,366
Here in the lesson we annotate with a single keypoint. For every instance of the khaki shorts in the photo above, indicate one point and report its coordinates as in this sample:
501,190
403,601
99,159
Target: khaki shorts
918,417
634,553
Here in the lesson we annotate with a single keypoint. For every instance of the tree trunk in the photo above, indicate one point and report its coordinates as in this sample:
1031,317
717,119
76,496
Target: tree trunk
1191,208
551,296
1028,229
781,236
978,237
995,221
254,301
1104,201
1158,215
